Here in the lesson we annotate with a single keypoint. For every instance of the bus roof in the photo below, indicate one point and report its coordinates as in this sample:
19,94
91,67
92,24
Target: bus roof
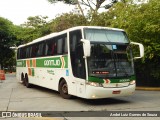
64,31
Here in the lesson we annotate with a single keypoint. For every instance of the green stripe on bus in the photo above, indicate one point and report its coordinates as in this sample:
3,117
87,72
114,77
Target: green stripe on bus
95,79
66,61
51,62
21,63
112,80
31,63
32,71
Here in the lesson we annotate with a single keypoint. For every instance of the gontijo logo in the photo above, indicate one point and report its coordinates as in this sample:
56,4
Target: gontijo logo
52,62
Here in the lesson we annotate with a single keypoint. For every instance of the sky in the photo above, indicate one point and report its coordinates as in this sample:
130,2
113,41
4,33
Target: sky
17,11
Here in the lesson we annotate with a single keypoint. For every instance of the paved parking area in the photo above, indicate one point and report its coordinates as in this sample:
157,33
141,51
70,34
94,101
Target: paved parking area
16,97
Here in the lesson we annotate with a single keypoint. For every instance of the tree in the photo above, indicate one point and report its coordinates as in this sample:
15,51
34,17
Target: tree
142,23
25,35
35,21
35,27
12,35
7,39
67,20
93,5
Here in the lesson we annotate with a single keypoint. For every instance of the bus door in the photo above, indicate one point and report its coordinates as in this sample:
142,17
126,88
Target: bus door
78,62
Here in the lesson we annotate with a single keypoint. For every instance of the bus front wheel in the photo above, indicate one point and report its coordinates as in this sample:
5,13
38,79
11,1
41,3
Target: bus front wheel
63,90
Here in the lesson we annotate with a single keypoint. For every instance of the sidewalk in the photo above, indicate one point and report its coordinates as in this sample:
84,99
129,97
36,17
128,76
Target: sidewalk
148,88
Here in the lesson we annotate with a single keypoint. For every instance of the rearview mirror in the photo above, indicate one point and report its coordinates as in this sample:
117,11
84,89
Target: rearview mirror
86,47
141,49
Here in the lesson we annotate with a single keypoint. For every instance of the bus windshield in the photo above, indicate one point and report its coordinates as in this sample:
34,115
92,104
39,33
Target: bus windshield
110,61
105,35
111,55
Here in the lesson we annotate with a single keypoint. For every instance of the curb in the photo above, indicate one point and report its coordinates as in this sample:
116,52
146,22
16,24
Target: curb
148,88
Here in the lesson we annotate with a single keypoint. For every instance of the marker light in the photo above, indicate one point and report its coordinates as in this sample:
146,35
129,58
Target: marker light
132,82
95,84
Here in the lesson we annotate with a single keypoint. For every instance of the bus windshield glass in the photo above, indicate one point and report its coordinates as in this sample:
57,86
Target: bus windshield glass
111,55
110,61
104,35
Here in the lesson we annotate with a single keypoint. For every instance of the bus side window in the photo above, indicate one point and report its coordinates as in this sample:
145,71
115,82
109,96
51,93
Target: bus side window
59,46
24,53
19,53
34,50
46,49
54,48
40,49
65,46
28,52
49,47
73,43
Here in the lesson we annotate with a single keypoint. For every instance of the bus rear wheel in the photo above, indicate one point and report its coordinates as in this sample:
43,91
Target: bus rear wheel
63,90
28,85
22,79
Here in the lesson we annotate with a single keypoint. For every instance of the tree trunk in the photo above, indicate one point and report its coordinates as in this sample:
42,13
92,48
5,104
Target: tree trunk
80,8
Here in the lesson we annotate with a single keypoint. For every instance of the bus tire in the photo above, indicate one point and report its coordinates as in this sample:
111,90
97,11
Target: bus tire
22,79
63,90
27,84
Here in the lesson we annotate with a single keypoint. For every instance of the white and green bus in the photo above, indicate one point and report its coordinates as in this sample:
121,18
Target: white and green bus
86,61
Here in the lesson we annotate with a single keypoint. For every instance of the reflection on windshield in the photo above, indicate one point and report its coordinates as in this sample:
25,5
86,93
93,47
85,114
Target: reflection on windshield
110,61
105,35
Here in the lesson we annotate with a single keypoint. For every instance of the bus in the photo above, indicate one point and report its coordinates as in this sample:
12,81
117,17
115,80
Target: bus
90,62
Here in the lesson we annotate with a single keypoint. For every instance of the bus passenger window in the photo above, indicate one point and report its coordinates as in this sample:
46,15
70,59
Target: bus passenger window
59,46
46,49
24,53
73,42
40,50
54,48
33,51
65,46
49,49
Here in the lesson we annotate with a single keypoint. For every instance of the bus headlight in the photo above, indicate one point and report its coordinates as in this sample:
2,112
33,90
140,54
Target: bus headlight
95,84
132,82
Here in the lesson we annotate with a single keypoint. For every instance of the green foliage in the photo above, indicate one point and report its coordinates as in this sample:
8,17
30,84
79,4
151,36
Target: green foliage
67,20
142,23
11,35
25,35
6,34
35,27
92,5
35,22
7,38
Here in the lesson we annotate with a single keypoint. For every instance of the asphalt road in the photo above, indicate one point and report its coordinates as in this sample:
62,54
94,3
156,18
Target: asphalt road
16,97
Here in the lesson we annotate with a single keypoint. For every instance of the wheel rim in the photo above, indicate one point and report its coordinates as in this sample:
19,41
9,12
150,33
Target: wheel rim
65,89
